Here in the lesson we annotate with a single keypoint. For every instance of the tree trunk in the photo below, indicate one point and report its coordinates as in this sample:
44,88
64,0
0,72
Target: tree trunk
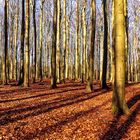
92,42
53,54
77,41
35,42
119,104
16,42
21,76
84,40
105,48
41,41
58,40
26,62
5,43
64,46
126,40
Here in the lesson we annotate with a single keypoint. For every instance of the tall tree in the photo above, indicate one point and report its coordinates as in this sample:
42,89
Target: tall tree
77,41
92,42
35,42
5,43
64,45
58,40
105,48
26,62
16,42
41,39
113,46
53,54
119,104
126,40
21,75
84,39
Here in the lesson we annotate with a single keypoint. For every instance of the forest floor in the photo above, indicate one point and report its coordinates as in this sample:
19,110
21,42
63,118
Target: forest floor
66,113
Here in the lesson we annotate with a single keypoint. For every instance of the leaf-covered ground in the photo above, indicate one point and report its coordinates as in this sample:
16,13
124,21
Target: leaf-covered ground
66,113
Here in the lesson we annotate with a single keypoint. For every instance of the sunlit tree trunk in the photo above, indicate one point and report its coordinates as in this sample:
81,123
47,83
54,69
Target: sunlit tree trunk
113,46
135,48
92,42
119,104
16,42
84,40
11,46
64,45
58,41
101,53
26,62
77,41
67,48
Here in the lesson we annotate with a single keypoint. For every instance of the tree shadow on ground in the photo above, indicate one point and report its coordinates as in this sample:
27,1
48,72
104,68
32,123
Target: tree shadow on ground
40,95
116,133
56,127
44,107
36,87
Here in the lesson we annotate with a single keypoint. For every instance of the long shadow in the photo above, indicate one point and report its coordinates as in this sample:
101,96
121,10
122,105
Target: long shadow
117,133
52,128
44,107
40,95
4,92
45,94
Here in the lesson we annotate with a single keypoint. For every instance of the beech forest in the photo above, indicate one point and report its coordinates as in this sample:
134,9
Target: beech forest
69,69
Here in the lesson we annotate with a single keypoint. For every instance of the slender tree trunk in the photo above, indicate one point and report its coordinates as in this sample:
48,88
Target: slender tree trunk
5,43
77,41
53,54
101,53
105,49
58,40
92,42
26,62
135,48
11,46
119,104
35,42
41,40
126,40
64,45
84,40
16,42
21,76
113,46
67,48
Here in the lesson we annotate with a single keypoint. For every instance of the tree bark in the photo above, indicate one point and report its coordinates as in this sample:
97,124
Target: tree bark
21,76
92,42
35,42
26,62
64,46
4,80
105,48
53,55
58,40
119,104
